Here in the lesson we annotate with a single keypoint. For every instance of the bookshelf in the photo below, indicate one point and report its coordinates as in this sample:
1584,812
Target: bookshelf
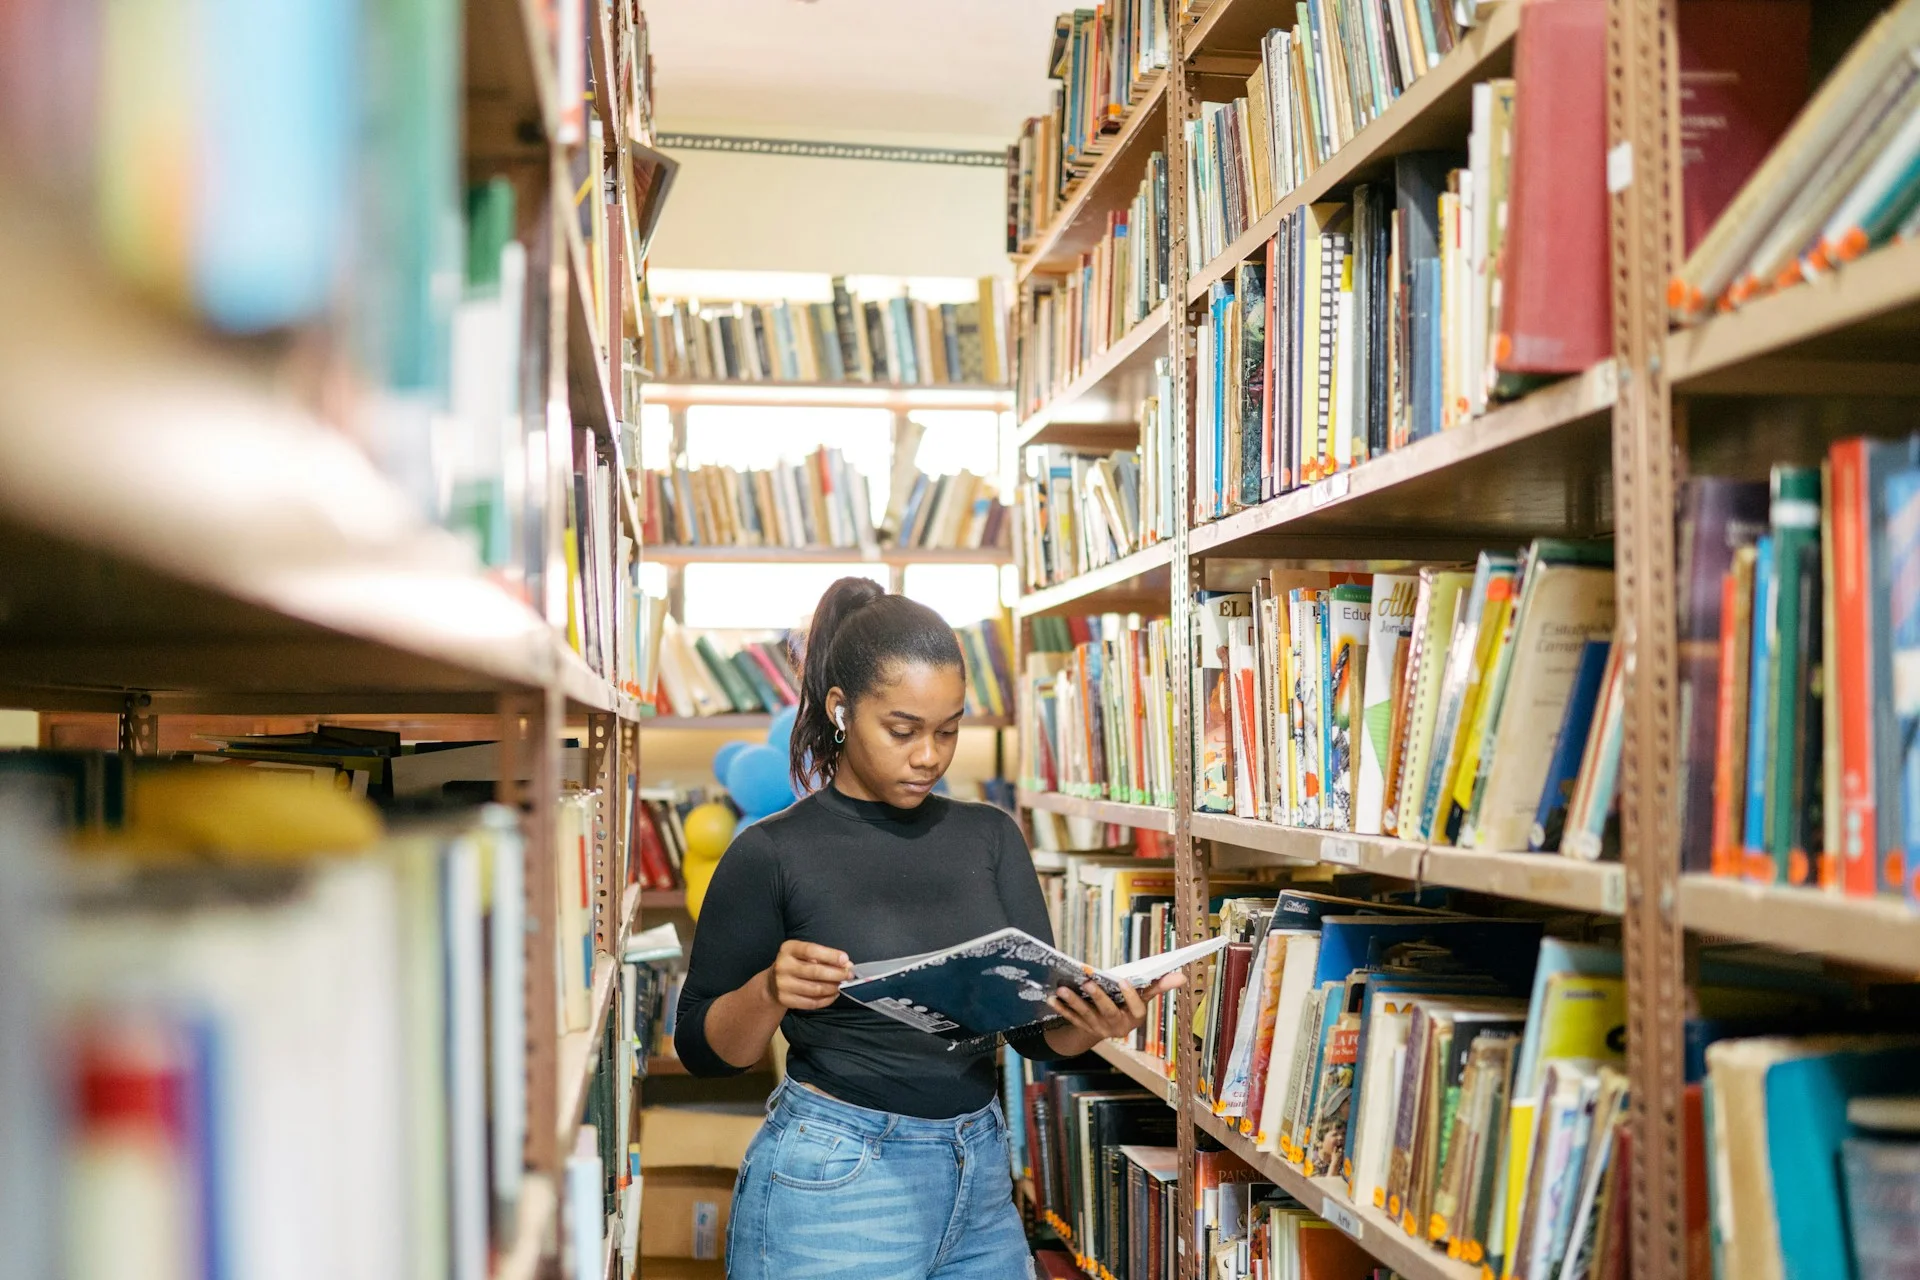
203,525
1596,454
1123,159
901,397
897,557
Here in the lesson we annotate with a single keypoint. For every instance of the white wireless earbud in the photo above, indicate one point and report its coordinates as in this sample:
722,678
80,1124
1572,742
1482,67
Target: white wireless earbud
840,719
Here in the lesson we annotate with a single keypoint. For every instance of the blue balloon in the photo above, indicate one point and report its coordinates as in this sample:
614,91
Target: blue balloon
758,779
724,757
780,732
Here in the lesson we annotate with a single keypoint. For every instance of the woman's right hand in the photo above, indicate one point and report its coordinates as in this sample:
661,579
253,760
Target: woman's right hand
806,976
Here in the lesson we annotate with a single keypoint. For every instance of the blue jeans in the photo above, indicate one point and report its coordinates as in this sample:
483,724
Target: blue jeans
831,1189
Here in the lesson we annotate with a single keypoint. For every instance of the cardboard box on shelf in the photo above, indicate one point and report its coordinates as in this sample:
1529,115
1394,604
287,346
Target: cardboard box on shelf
688,1158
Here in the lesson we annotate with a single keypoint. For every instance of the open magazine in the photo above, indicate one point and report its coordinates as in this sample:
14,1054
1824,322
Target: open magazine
994,984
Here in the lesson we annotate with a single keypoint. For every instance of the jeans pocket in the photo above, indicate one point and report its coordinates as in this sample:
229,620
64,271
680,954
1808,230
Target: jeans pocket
816,1157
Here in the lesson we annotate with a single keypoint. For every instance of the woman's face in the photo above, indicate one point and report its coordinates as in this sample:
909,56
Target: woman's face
901,734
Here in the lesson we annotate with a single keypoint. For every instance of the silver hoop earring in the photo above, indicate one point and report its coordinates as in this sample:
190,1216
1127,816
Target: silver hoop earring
839,736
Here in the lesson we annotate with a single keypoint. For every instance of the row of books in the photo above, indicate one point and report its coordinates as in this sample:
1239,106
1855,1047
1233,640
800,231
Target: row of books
1112,908
1446,705
1408,309
1465,1076
821,502
1318,84
1799,614
901,339
1099,58
401,1081
699,676
1068,320
658,840
1096,720
1817,189
1078,511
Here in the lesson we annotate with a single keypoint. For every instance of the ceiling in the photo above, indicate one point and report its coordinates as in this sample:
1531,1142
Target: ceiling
948,72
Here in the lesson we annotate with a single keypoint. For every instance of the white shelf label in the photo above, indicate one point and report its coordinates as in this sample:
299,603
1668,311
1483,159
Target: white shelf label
1342,1216
1344,852
1613,891
1620,168
1325,491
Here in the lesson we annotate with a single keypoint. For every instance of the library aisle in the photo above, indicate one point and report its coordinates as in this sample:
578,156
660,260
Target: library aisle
1424,496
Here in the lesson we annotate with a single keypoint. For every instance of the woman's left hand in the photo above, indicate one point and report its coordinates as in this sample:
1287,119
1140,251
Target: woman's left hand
1099,1016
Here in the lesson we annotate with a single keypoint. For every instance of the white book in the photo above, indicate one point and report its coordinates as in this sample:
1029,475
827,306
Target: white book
1390,633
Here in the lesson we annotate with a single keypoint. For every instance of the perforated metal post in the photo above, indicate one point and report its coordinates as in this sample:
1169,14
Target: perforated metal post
139,725
1640,86
529,782
1190,873
602,755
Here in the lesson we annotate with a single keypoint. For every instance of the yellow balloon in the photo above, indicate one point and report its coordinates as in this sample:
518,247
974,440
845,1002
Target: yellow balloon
698,873
709,829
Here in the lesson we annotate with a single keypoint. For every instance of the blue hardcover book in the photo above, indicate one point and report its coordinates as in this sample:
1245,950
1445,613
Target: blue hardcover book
1504,949
1901,546
996,983
1759,686
1569,743
1806,1104
900,316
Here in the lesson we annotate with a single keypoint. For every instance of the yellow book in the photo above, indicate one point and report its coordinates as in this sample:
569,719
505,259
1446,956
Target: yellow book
1494,635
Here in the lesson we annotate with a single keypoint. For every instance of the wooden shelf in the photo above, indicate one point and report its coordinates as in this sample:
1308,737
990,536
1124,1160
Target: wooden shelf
663,899
665,1065
825,555
1107,394
1881,933
677,393
1545,878
1434,112
1533,466
1855,331
512,99
1370,1228
1138,583
1110,184
1143,1069
1144,817
760,720
213,535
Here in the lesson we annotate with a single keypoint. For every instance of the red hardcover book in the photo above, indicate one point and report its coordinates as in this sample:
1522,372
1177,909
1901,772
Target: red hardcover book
1239,958
1853,641
655,871
1743,78
1556,290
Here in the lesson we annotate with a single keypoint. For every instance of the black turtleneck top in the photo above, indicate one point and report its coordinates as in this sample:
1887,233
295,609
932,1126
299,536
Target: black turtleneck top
875,882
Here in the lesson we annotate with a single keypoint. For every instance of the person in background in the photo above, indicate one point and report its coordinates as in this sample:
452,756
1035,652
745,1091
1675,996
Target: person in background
884,1155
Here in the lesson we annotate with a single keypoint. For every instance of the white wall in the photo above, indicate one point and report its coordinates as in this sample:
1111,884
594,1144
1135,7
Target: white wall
778,213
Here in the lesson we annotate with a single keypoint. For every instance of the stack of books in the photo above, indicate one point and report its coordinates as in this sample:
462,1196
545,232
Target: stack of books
1466,705
1099,59
701,675
1079,511
698,679
1841,181
1096,710
403,954
1319,83
1798,617
900,340
821,502
1465,1075
1109,910
658,840
1068,320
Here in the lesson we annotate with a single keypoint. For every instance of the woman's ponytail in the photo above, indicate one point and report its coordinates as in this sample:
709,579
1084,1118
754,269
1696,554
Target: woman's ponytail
857,630
813,753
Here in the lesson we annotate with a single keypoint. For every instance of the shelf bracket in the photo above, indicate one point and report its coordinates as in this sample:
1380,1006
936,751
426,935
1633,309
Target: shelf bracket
139,725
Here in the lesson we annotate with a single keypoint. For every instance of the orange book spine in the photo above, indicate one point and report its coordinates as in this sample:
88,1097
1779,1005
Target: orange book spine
1853,637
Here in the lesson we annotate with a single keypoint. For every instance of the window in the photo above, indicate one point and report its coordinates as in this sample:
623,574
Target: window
762,596
960,593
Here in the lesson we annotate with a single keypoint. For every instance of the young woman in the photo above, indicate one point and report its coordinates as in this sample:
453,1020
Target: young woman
884,1155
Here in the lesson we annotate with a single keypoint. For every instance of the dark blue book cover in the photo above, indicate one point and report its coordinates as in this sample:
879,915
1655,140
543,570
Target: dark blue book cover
996,983
1569,744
